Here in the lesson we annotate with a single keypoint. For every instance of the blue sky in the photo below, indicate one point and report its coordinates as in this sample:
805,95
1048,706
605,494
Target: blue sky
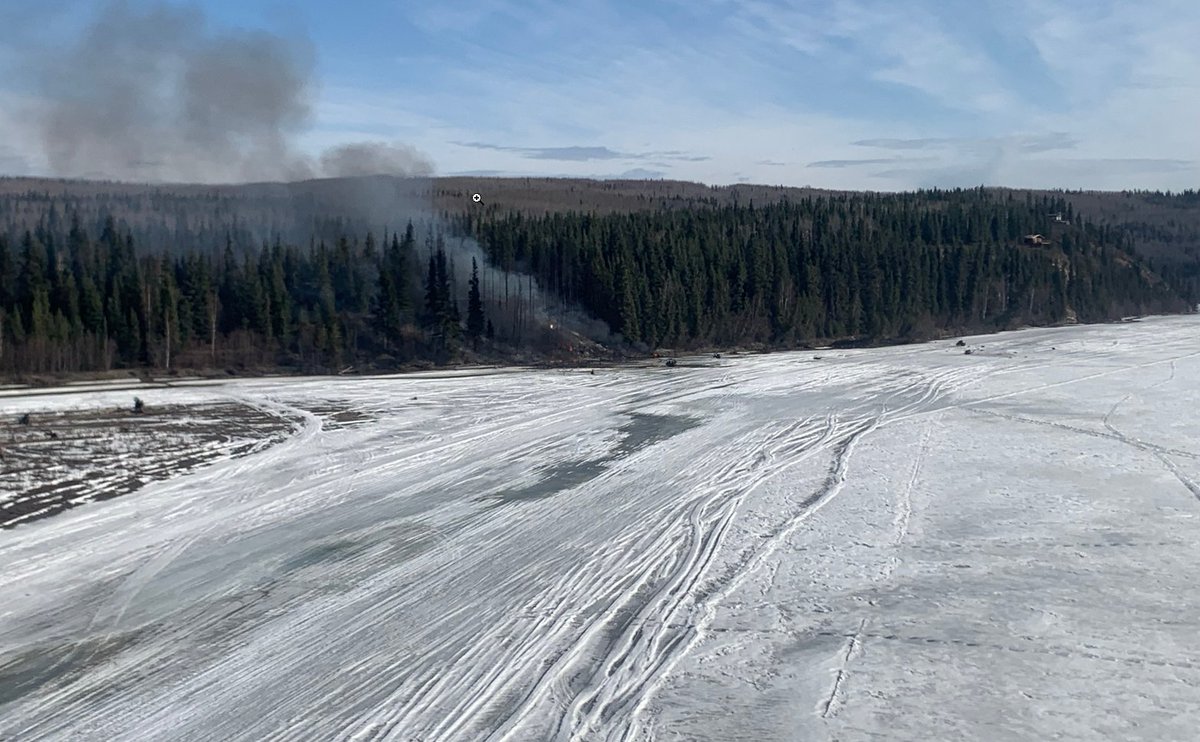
847,94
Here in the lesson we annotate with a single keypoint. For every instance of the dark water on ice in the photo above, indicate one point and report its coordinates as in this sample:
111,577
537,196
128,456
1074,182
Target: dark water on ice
641,431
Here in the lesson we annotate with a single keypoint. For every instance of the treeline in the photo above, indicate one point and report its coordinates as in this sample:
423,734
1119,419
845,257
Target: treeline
861,266
826,268
69,302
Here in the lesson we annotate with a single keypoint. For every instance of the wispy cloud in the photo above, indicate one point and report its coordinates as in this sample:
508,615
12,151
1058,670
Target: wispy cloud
1086,173
632,174
570,154
1122,165
867,161
925,143
1022,142
477,173
583,154
857,93
975,90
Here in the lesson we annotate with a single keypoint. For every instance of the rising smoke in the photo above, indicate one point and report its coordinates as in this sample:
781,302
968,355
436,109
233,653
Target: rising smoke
155,93
152,92
374,158
518,303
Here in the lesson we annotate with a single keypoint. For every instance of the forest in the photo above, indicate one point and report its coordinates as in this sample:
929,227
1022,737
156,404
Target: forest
94,293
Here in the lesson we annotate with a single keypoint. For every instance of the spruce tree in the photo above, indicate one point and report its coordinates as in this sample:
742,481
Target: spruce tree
475,318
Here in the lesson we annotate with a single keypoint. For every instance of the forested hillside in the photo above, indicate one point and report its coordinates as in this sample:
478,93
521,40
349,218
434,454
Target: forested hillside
851,266
1164,227
88,292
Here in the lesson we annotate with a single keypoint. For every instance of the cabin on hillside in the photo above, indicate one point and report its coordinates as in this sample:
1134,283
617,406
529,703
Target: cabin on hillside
1036,240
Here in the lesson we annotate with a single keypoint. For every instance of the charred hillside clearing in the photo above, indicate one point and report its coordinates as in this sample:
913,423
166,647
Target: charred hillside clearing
380,273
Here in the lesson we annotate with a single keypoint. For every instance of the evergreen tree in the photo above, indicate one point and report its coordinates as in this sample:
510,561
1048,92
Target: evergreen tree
475,318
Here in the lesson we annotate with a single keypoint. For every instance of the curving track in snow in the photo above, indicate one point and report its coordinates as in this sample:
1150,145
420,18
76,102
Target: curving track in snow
760,548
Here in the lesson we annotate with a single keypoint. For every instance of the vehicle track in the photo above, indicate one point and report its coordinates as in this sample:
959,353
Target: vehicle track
1155,451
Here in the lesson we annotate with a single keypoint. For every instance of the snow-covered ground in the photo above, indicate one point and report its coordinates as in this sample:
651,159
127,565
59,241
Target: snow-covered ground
905,543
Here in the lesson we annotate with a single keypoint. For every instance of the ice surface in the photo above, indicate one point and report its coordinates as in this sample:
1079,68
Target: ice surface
903,543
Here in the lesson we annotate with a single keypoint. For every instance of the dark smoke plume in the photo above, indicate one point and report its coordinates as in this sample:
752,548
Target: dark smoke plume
154,93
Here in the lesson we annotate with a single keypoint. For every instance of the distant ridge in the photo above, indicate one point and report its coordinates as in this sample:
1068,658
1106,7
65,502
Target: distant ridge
1163,227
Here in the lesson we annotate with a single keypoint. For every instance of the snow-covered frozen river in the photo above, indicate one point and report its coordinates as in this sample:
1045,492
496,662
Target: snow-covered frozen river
902,543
